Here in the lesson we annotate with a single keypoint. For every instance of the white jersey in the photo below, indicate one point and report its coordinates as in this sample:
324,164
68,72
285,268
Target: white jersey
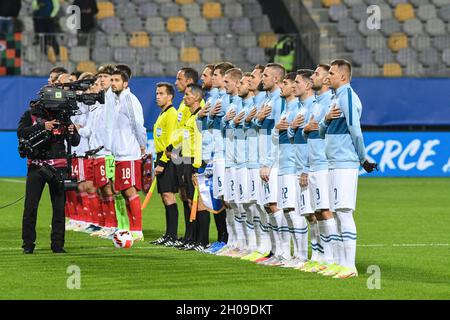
81,119
129,132
99,125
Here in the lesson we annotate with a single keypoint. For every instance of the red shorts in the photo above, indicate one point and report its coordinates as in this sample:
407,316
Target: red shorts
100,178
128,174
82,169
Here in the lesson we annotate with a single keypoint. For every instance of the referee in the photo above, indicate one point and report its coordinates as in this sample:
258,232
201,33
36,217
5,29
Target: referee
191,147
165,169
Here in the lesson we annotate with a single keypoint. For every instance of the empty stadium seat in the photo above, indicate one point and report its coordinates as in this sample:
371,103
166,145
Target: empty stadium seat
153,68
117,40
267,40
337,12
354,42
234,54
198,25
329,3
404,11
261,24
212,10
127,10
247,41
102,54
382,56
397,41
435,27
204,40
184,1
190,55
86,66
139,40
256,55
110,25
390,26
190,10
392,70
376,42
429,56
406,56
358,12
211,55
444,13
346,27
370,70
426,12
183,40
161,40
147,10
146,54
413,27
105,10
132,24
168,54
155,24
176,24
220,25
126,55
233,9
420,42
79,54
167,10
440,3
226,41
414,70
241,25
441,42
252,10
362,56
446,56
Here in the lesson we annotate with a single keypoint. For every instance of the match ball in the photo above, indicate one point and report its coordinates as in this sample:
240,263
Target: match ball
123,239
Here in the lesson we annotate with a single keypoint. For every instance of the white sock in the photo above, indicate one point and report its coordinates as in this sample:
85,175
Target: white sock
265,243
334,237
348,228
251,227
274,234
339,250
285,237
316,247
299,233
326,241
231,227
240,237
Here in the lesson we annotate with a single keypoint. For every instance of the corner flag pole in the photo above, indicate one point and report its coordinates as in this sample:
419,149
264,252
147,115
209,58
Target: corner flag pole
194,205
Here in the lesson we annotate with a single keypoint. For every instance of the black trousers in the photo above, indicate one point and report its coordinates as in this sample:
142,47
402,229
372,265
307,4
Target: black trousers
35,184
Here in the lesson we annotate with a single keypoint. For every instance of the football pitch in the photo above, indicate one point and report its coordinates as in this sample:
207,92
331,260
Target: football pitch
403,232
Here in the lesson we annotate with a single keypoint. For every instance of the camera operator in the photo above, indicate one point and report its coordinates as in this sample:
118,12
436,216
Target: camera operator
46,164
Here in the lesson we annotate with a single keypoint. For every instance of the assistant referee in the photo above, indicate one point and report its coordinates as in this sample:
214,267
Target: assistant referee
165,170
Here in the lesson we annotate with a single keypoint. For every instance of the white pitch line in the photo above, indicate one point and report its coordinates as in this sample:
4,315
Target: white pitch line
13,180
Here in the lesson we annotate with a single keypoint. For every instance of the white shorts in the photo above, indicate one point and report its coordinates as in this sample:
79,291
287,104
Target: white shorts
304,201
254,186
230,186
269,190
218,177
287,191
242,191
318,183
343,188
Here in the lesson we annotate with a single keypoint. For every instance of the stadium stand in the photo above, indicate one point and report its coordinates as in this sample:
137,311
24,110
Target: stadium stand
412,39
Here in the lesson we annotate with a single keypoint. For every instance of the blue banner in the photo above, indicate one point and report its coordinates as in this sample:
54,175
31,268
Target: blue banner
408,101
398,154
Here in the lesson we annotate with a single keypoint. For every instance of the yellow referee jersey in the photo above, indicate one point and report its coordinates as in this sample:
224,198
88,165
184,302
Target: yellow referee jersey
164,129
190,140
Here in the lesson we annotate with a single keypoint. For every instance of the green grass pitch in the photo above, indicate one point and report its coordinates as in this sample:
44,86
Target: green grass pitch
403,228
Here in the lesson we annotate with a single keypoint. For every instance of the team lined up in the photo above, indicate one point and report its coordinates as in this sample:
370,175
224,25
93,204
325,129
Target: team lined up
282,152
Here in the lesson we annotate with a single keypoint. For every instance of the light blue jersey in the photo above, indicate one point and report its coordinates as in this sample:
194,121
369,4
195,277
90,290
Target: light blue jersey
317,159
343,137
301,147
228,132
207,137
240,135
265,143
215,124
287,152
252,133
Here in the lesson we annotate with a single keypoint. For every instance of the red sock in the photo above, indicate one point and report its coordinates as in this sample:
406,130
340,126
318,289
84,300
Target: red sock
69,203
95,208
112,211
136,213
105,213
84,199
74,203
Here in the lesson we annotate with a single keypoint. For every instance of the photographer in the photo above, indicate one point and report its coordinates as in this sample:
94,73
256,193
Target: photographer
46,164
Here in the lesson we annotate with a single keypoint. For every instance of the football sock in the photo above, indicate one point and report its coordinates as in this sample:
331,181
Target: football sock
135,213
121,212
316,247
299,232
84,199
265,243
203,218
348,228
221,226
251,230
96,210
172,220
276,222
285,237
230,227
326,241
